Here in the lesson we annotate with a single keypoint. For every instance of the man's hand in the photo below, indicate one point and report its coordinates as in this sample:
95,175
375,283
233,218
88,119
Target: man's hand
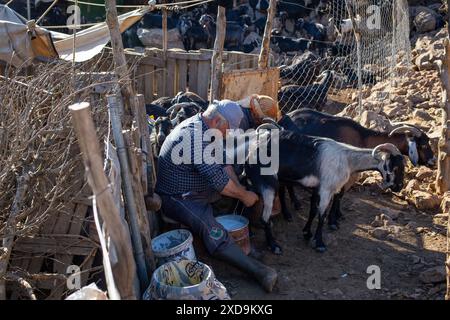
249,198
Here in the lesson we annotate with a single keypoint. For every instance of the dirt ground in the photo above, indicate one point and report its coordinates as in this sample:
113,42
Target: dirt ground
417,244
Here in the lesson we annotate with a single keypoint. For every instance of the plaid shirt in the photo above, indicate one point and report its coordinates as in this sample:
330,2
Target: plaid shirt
176,179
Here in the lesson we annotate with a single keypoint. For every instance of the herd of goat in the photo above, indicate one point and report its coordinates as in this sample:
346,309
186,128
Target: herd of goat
318,151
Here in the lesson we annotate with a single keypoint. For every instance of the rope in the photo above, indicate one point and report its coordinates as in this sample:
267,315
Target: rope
158,6
46,11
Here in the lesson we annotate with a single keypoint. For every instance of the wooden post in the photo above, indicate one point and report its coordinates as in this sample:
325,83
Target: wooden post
263,61
120,61
114,105
125,270
164,45
216,60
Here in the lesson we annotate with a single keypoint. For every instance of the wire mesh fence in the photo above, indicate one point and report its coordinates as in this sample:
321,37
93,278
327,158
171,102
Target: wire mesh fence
366,42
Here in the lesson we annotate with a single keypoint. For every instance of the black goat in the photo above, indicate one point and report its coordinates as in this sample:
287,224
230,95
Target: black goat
286,44
316,31
310,96
182,111
303,71
192,33
322,164
234,34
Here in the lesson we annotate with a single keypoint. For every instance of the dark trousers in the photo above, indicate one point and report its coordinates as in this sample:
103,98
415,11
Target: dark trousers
195,211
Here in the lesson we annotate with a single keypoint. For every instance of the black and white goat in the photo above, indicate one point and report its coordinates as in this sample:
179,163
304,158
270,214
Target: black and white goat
323,165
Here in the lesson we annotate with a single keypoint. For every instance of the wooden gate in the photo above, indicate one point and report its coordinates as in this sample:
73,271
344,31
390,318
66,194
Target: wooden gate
157,77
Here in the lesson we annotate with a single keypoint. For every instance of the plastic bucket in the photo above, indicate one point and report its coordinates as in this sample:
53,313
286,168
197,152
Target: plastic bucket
237,227
185,280
174,245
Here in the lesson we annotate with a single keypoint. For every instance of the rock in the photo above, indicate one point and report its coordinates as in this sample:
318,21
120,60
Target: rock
425,201
411,225
426,20
424,173
412,186
423,115
425,61
377,222
391,213
445,203
393,109
380,233
433,275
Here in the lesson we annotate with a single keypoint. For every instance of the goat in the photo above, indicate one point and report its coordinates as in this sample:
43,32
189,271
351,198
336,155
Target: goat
234,33
182,111
163,126
286,44
310,96
324,165
316,31
188,96
302,71
192,34
409,139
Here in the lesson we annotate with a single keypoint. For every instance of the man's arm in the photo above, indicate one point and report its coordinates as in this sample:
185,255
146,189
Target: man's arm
237,191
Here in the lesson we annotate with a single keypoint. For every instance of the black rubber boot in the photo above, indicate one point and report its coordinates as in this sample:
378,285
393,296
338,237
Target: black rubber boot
233,254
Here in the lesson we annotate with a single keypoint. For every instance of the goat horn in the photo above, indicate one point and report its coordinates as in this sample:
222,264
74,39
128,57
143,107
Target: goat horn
268,120
386,147
407,128
173,109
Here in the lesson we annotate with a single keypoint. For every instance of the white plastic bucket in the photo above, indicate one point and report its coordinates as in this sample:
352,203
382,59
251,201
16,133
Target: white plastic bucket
174,245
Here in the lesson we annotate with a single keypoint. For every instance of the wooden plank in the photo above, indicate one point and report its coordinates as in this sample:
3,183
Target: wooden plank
159,84
182,75
239,84
203,79
193,76
171,74
61,244
148,83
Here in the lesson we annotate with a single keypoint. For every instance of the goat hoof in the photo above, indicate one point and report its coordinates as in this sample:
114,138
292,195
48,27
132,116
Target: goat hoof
307,235
276,249
321,249
333,226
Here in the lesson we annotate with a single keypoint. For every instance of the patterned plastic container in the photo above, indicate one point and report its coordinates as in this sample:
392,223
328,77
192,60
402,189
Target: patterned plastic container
174,245
185,280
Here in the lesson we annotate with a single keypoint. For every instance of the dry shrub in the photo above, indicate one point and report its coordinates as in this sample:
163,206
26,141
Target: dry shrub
37,138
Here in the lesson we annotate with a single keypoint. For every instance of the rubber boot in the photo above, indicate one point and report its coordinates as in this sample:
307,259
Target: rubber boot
233,254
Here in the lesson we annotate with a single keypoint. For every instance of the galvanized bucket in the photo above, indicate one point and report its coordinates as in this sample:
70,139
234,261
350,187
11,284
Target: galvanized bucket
237,227
174,245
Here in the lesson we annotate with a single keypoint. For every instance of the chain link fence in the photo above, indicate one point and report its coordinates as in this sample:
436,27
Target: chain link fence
367,41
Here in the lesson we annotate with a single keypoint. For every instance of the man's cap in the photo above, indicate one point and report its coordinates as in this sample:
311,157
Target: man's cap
231,111
262,106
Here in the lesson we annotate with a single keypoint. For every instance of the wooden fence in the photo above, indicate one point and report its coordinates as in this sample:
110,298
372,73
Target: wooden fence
157,76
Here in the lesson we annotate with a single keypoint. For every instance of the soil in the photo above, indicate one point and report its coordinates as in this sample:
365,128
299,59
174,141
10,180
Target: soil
341,272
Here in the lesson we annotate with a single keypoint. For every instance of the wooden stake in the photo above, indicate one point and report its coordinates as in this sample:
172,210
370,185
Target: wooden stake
125,269
263,61
120,61
216,60
114,105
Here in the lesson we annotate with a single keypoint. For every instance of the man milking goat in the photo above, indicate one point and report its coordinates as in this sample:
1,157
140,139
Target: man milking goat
188,188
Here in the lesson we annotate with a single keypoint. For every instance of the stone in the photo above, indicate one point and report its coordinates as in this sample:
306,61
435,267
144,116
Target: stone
426,20
377,222
412,186
445,203
423,115
380,233
433,275
424,173
425,201
391,213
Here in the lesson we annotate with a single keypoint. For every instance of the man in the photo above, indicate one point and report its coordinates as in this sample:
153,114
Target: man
188,189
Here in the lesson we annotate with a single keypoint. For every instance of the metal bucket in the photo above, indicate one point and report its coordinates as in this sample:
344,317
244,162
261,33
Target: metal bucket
185,280
237,227
174,245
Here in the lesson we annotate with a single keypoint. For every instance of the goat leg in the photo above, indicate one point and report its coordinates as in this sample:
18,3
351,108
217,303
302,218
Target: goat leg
335,211
293,197
324,204
268,195
312,213
284,209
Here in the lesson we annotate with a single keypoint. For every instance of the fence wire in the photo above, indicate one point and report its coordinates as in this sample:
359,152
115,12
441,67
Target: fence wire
383,25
